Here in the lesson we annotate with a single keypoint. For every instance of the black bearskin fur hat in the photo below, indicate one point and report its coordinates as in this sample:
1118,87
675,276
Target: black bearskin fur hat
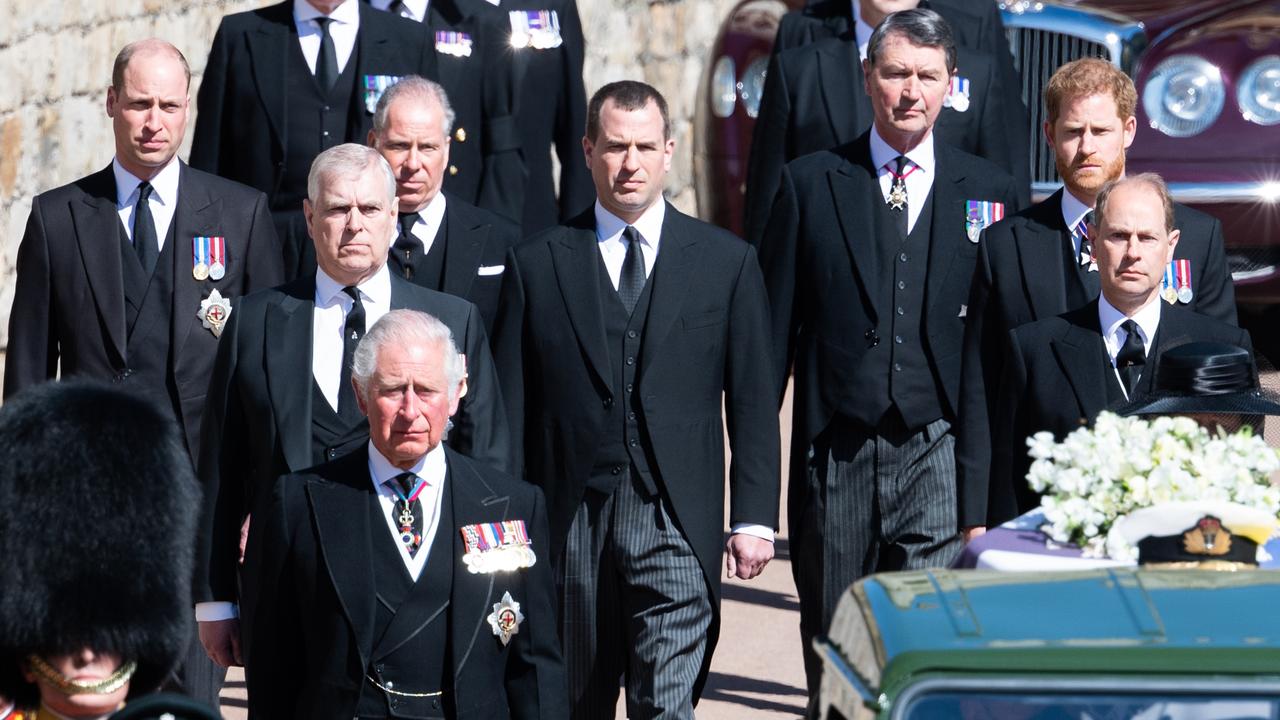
98,507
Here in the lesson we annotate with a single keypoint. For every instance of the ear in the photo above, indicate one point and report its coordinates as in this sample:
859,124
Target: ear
866,77
307,212
1174,235
111,102
587,148
361,402
1130,127
371,139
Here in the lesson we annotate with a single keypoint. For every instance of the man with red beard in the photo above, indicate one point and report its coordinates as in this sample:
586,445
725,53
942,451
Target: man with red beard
1039,263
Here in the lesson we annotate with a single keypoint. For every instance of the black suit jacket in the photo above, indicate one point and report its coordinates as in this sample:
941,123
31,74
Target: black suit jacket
820,267
704,340
1021,276
69,297
1055,380
309,610
476,243
553,114
258,425
815,99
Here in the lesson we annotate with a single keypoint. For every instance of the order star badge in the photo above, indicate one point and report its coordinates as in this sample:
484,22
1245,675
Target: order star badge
506,618
213,313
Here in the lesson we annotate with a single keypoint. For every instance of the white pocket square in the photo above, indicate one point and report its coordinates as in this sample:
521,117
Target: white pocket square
964,310
491,269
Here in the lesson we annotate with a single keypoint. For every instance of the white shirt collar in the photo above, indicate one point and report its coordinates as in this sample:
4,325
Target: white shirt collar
649,224
861,30
415,10
164,184
430,467
376,287
1072,209
348,13
433,212
921,155
1110,319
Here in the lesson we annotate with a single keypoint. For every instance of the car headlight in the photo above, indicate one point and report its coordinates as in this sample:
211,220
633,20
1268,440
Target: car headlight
1258,91
752,86
724,91
1184,95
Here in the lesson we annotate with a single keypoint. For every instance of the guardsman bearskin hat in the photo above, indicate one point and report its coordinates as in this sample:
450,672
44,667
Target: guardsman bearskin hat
98,506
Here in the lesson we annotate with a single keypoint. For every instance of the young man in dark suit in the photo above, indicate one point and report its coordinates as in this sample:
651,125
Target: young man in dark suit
129,274
402,579
279,396
1036,264
867,256
1060,372
618,338
444,243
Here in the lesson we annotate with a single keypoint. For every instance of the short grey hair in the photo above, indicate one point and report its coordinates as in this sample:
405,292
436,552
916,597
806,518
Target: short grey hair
919,26
405,328
348,160
415,88
1149,179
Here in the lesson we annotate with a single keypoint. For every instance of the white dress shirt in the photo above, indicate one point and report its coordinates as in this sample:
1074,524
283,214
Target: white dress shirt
432,468
343,30
1073,211
330,317
613,248
414,10
429,221
1113,336
919,181
163,201
861,30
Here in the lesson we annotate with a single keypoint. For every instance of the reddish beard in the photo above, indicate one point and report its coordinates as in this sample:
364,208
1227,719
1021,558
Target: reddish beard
1090,184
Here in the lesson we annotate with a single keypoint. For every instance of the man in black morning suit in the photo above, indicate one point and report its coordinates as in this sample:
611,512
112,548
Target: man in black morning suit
618,337
476,67
867,256
1062,371
444,243
379,589
108,280
279,400
1035,264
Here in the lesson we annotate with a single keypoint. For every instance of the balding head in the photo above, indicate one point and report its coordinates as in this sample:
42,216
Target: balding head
146,49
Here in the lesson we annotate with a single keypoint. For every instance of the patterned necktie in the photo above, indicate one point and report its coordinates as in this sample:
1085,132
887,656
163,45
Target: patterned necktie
352,331
1086,264
406,245
406,511
327,60
144,230
1132,356
631,282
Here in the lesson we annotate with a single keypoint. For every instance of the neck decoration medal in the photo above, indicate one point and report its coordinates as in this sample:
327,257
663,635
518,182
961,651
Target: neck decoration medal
898,193
412,540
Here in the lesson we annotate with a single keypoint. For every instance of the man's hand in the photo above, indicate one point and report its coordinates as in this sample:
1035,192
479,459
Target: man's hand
746,555
221,640
973,533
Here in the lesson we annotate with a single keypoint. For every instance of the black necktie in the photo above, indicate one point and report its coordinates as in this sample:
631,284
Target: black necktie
327,60
352,331
631,282
1132,356
144,230
898,195
406,245
396,8
406,511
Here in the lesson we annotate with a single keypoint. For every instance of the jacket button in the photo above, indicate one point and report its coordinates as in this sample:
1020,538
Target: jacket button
632,333
608,403
631,361
331,453
460,134
617,469
632,442
631,415
453,169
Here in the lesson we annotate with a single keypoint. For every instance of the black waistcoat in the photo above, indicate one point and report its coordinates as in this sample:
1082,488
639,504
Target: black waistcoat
332,436
417,663
148,309
315,121
422,269
626,442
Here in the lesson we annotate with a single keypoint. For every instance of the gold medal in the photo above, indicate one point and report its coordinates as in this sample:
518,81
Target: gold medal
1169,294
200,271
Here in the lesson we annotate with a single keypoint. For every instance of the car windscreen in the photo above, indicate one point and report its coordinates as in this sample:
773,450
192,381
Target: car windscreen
1086,706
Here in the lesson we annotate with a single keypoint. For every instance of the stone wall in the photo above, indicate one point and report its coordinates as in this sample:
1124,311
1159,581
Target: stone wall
56,58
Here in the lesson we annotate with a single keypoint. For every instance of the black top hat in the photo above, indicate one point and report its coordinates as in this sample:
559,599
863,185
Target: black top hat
1205,377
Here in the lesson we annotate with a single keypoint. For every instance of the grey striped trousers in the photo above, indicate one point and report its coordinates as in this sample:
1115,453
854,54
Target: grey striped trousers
633,599
871,503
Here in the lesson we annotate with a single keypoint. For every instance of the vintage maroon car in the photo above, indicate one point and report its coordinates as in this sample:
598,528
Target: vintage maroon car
1208,78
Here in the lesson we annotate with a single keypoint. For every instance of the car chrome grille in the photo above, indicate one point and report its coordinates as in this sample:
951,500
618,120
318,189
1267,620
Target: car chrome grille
1041,52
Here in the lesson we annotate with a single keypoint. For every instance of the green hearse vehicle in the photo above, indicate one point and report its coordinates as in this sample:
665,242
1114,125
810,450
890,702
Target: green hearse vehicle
1144,644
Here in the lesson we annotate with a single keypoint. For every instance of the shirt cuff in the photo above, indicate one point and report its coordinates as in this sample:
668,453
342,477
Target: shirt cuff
764,532
214,611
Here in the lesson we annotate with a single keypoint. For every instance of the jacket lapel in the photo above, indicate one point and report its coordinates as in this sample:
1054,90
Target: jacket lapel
474,501
268,56
843,96
464,246
1040,259
196,214
97,231
1081,355
676,259
947,237
857,217
339,511
288,359
576,261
